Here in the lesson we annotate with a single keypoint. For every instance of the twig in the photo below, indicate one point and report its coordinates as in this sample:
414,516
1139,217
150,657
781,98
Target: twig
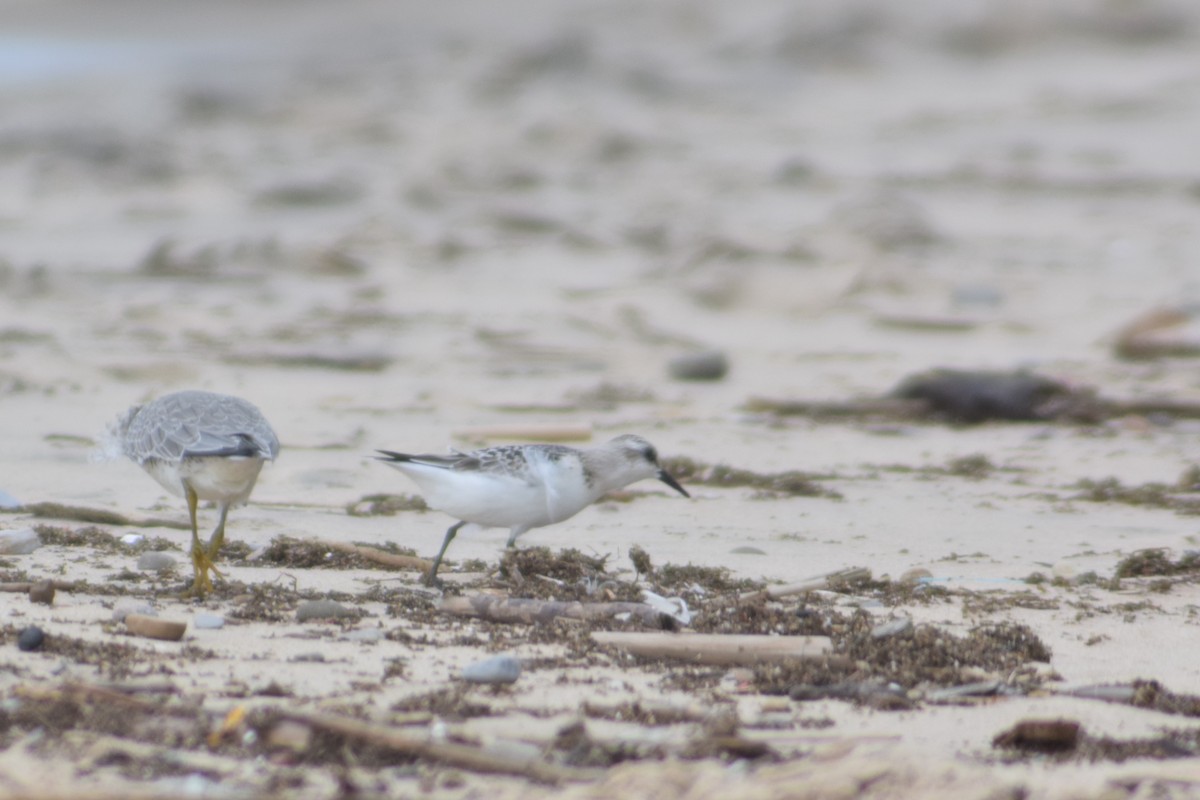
459,755
848,575
24,586
529,610
378,556
715,648
96,516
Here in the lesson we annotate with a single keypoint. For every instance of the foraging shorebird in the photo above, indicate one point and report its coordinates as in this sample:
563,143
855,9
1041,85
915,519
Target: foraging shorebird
200,446
521,487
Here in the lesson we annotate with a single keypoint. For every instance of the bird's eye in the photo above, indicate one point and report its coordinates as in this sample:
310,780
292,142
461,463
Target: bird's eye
651,455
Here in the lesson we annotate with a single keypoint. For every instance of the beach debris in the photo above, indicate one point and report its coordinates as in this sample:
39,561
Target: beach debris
838,578
529,610
1040,735
31,638
495,670
19,542
132,605
422,746
1171,331
311,610
705,365
973,396
715,648
206,621
674,607
893,627
154,627
42,592
98,516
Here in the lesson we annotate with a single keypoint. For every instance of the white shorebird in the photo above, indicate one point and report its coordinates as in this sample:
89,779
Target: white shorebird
200,446
520,487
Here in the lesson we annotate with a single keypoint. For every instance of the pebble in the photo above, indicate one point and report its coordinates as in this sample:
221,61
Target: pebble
126,606
321,609
132,539
154,561
706,365
893,627
7,501
210,622
31,638
42,592
748,550
364,635
19,542
500,669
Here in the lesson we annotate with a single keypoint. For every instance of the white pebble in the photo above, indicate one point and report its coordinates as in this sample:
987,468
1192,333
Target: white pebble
20,542
210,622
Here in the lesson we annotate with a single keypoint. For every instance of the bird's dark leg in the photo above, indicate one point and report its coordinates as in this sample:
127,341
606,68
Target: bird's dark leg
431,579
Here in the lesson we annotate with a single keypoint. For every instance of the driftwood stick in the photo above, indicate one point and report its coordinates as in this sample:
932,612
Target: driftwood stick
459,755
715,648
847,575
24,586
96,516
529,611
378,556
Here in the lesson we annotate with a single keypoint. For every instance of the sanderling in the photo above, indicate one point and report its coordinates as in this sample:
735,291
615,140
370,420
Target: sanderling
200,446
520,487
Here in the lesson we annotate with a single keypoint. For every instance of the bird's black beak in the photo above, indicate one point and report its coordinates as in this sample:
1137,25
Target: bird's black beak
669,481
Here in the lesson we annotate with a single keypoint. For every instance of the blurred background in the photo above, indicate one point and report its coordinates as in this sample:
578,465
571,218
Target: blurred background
380,220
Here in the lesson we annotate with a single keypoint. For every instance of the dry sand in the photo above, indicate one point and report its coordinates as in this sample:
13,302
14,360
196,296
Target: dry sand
385,223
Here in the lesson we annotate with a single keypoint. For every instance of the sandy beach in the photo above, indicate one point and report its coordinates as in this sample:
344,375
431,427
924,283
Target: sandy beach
416,227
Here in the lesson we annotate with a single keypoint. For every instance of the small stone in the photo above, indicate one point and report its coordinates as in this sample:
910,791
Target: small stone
206,621
321,609
19,542
154,561
497,670
42,592
748,550
132,539
126,606
31,638
364,635
893,627
706,365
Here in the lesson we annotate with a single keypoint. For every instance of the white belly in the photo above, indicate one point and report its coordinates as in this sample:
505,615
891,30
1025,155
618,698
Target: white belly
220,479
494,500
